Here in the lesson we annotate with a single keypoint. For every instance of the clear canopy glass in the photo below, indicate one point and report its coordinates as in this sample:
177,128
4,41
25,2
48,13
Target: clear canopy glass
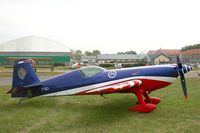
91,71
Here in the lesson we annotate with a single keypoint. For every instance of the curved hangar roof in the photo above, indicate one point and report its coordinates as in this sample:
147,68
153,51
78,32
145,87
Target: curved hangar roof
33,44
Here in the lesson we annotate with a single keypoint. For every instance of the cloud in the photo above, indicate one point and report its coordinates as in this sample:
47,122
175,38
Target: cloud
107,25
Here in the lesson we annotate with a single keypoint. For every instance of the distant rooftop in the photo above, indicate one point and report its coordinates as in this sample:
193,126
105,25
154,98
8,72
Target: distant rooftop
88,57
164,51
120,56
191,51
33,44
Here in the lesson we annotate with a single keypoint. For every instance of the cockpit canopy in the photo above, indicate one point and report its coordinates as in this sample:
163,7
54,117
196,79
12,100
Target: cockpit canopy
91,71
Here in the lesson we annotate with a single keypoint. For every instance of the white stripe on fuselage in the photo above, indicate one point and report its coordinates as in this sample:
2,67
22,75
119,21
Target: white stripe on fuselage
90,87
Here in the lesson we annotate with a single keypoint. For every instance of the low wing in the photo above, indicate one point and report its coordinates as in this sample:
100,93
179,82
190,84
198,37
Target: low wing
118,87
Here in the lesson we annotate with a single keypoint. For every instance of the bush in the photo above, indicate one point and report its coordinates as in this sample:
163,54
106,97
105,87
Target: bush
106,65
132,65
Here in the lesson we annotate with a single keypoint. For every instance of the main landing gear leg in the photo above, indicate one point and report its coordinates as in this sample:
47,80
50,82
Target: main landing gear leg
153,100
142,107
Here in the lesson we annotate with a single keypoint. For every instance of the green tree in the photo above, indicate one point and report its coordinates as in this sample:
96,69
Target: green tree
72,54
130,52
96,52
127,52
78,54
188,47
88,53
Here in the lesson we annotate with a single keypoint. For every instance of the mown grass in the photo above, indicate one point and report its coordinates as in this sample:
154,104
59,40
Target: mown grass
8,72
195,69
89,114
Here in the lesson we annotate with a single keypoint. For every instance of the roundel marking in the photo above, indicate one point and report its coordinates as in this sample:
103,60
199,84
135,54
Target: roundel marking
21,73
112,74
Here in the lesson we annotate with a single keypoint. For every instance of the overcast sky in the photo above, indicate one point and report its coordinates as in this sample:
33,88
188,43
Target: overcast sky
107,25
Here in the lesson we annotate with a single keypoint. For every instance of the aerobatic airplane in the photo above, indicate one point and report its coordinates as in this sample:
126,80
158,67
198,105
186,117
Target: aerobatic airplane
98,81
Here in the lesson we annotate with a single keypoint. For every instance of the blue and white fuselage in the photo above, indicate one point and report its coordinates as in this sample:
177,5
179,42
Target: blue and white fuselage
93,80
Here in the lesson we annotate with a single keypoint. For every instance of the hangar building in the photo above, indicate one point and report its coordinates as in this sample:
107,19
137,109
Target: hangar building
42,50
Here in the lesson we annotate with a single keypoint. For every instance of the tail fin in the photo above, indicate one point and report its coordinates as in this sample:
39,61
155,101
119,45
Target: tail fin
24,76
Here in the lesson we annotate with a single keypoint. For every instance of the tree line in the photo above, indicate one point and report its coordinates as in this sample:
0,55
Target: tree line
188,47
76,54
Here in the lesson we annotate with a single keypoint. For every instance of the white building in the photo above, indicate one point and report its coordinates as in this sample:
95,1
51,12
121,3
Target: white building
42,50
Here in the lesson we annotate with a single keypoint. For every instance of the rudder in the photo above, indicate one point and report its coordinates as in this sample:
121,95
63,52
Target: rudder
23,76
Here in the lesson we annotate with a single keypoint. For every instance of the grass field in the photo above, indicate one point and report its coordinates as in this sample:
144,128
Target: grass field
91,114
7,72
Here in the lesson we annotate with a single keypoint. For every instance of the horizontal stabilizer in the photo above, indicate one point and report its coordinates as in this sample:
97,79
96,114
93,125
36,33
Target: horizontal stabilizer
21,89
33,85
